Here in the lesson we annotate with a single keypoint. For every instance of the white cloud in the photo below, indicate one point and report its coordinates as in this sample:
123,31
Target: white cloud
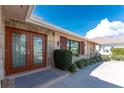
106,28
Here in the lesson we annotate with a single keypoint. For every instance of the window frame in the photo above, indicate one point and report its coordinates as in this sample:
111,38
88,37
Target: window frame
69,43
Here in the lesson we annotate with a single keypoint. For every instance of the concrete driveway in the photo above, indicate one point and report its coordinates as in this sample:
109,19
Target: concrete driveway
100,75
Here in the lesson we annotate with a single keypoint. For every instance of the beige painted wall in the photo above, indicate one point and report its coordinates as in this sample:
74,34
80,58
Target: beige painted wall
1,46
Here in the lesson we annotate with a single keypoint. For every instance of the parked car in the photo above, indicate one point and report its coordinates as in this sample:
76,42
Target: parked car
105,51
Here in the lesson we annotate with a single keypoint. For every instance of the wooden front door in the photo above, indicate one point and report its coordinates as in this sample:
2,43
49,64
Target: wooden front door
24,50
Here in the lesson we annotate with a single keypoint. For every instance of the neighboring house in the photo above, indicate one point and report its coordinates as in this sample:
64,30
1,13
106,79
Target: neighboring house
27,44
111,42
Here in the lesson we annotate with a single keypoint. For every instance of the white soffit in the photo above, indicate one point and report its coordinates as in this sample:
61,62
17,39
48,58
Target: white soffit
15,11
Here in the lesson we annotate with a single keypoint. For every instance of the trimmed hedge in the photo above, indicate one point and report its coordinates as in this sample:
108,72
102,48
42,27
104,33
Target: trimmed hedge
80,64
98,58
85,62
105,58
62,58
93,60
89,61
72,68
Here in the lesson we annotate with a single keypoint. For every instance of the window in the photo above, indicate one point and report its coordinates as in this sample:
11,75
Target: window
74,46
68,44
105,50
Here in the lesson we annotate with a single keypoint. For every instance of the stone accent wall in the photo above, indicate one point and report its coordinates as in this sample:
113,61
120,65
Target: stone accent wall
1,46
51,47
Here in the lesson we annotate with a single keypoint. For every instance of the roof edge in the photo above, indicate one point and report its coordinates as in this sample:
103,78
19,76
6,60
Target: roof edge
50,26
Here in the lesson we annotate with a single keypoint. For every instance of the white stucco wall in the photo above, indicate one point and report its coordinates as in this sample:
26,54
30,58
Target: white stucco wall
1,46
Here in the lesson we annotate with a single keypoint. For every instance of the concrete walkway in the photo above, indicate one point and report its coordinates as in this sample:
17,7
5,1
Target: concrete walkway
38,78
100,75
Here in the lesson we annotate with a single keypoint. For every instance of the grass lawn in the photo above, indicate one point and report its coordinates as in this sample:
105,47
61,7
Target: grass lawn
118,57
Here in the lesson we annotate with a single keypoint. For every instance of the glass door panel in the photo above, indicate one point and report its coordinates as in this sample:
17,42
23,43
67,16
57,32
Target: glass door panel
38,50
24,50
18,50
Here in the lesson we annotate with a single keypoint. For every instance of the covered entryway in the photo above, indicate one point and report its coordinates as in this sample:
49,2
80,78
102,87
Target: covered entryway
24,50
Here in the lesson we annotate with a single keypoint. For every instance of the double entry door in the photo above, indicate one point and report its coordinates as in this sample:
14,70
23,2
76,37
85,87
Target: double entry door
24,50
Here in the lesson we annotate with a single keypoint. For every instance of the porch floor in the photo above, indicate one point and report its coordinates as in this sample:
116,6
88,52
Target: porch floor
38,78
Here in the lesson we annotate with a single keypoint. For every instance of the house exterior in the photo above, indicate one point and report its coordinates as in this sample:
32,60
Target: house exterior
27,44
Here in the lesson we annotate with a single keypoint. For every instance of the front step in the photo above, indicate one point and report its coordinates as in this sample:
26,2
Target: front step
40,79
53,81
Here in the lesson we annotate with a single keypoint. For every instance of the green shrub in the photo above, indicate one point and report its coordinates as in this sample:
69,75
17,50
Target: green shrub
93,59
89,61
80,64
105,58
98,58
118,57
72,68
86,63
62,59
96,61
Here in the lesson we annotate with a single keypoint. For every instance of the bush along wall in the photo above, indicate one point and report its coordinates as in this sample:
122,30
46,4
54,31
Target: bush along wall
85,62
105,58
80,64
98,58
72,68
62,59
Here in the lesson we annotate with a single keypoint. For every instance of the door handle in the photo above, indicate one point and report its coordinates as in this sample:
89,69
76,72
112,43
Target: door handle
28,52
6,50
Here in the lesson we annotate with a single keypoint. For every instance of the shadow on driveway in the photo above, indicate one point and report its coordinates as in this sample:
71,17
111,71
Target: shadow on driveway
83,79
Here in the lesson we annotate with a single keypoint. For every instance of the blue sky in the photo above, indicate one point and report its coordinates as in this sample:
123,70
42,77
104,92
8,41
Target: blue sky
79,18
